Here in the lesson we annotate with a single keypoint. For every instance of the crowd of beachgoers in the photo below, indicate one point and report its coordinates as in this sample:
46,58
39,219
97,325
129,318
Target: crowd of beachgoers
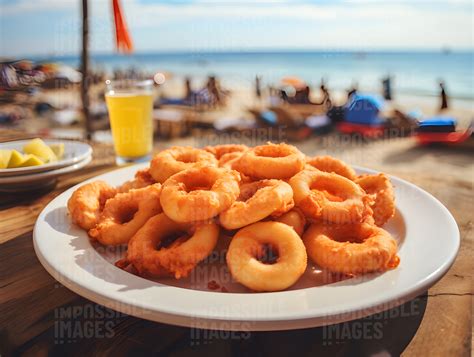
47,95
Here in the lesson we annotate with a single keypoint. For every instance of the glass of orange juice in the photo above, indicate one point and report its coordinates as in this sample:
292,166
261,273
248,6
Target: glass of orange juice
130,106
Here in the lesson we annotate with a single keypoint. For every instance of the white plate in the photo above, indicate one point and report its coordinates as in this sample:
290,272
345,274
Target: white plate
74,152
41,179
426,231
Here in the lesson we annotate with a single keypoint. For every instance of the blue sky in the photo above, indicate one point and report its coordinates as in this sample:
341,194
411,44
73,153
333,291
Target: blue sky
52,27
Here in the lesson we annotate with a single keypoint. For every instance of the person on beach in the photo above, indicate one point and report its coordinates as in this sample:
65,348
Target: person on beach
214,91
443,95
188,90
326,96
352,91
387,88
284,97
258,87
211,94
302,96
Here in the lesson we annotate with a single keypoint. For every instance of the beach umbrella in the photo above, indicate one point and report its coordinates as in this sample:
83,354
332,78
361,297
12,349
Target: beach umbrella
293,81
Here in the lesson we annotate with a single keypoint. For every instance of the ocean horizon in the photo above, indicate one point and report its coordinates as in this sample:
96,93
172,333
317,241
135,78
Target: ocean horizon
413,72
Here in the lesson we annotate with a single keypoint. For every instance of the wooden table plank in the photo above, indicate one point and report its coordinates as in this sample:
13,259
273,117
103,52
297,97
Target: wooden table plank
33,305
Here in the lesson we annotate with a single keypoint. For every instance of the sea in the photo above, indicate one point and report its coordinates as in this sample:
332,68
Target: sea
412,73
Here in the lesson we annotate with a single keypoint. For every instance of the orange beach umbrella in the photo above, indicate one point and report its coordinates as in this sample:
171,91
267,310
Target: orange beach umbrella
293,81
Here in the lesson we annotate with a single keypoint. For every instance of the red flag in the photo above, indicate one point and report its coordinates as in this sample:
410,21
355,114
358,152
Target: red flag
122,38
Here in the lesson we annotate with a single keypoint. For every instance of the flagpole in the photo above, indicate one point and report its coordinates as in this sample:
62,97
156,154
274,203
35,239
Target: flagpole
85,69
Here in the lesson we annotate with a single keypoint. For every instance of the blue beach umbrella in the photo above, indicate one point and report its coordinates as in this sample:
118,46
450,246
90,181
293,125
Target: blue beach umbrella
364,109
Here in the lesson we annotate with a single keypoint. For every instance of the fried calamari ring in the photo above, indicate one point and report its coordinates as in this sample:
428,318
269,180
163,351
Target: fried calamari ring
150,254
176,159
271,161
249,245
256,201
142,179
228,160
381,188
219,150
328,196
351,248
87,203
295,219
199,193
331,164
126,213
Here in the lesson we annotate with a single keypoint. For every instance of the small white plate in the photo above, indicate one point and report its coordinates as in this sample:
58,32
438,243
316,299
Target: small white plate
428,240
38,180
74,152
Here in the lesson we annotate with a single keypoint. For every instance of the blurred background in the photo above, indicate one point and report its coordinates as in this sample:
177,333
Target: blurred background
236,65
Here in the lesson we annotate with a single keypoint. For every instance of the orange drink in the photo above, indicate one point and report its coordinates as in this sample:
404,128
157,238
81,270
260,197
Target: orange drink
130,106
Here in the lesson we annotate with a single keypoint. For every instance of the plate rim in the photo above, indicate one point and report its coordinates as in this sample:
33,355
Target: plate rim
22,171
299,319
44,175
217,323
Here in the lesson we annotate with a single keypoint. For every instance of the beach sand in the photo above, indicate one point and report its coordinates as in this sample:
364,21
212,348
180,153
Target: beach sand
242,98
398,156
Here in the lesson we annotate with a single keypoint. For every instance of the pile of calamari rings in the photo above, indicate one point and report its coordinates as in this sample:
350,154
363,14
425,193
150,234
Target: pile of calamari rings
279,205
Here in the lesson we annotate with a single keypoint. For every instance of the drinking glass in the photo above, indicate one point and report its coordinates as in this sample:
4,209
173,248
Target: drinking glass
130,106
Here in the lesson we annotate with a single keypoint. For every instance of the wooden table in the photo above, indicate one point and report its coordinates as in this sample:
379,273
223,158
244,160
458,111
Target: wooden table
38,315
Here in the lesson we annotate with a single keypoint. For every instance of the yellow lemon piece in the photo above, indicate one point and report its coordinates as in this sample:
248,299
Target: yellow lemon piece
16,159
58,150
4,158
31,160
39,148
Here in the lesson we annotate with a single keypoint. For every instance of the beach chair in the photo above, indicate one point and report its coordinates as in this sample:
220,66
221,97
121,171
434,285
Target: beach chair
296,127
401,124
306,110
172,123
437,125
442,130
286,117
264,117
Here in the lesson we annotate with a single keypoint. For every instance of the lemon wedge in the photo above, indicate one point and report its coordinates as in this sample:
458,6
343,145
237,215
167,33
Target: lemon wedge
5,158
40,149
31,160
16,159
58,150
